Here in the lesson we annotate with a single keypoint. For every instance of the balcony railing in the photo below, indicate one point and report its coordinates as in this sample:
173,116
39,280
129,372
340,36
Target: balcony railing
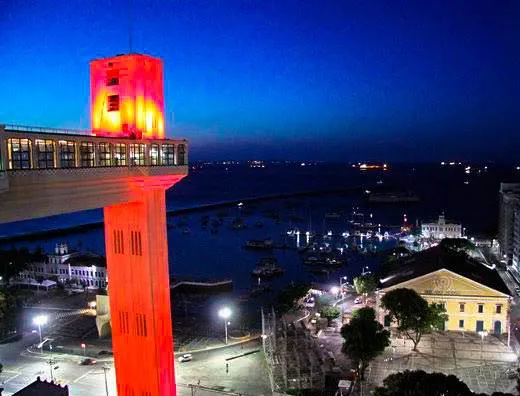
36,129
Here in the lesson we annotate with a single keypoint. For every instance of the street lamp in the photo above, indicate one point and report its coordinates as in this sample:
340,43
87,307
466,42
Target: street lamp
40,320
225,313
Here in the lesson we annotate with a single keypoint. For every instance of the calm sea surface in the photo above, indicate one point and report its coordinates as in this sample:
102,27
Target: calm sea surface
216,251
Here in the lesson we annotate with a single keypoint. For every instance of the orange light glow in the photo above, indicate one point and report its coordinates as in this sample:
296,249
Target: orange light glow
127,97
139,289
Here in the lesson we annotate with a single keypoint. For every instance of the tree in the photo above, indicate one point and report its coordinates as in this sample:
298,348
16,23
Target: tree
457,245
413,314
420,383
330,312
365,284
289,295
365,338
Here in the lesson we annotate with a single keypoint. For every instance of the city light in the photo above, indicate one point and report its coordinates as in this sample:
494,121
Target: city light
334,290
40,320
225,313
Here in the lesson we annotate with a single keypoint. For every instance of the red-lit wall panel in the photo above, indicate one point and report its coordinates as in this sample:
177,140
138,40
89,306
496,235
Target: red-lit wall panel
139,291
127,96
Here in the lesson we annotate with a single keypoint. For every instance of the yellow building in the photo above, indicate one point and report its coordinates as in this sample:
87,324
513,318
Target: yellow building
475,297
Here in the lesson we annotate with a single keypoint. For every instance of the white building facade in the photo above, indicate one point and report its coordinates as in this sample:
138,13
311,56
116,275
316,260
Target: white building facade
441,229
89,270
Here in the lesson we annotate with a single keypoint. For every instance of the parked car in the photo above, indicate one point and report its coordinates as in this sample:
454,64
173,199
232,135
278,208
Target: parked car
187,357
358,300
87,362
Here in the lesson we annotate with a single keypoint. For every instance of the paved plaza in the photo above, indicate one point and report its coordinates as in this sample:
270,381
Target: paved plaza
481,365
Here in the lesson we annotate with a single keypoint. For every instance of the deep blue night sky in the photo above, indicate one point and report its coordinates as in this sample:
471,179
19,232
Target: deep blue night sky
340,80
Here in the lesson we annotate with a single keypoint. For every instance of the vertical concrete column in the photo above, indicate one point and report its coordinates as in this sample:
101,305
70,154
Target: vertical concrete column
139,294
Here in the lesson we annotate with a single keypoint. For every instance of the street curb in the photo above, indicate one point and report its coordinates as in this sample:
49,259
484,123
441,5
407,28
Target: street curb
104,360
219,346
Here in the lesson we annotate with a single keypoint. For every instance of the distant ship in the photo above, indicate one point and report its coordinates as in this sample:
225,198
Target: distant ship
259,244
393,197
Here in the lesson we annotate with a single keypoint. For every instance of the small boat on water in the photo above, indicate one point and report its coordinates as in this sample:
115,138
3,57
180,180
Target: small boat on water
259,244
267,268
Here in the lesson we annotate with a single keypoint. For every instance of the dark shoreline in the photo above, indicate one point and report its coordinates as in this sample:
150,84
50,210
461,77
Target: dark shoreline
37,235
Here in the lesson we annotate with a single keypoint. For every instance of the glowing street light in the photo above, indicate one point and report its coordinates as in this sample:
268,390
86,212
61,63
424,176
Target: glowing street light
225,313
40,320
334,290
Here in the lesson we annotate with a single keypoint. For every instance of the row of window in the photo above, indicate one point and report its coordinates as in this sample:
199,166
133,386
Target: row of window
498,308
437,228
65,271
19,151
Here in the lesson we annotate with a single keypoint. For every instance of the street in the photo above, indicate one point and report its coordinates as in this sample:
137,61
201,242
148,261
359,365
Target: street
209,367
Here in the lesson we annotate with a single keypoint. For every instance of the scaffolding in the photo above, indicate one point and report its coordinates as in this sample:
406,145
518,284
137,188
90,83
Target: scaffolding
293,356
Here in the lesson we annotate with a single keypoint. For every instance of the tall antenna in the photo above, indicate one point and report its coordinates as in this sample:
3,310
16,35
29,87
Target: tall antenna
130,26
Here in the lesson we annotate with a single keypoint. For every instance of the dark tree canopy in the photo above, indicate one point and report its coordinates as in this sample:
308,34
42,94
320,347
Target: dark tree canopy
457,244
420,383
330,312
413,314
14,261
365,284
290,295
365,338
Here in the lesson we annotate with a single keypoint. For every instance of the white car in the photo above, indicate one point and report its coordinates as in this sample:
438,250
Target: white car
358,300
187,357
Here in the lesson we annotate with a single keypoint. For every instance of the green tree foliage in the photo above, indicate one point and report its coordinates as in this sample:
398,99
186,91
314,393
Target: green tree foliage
365,338
330,312
457,245
290,295
420,383
413,314
365,284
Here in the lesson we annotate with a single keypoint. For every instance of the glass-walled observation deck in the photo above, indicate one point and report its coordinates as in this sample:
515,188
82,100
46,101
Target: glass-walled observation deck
32,148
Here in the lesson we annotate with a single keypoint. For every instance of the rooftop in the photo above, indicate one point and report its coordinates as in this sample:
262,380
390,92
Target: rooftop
86,260
43,388
437,258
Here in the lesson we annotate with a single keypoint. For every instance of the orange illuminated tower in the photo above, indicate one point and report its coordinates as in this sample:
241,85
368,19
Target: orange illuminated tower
124,165
127,96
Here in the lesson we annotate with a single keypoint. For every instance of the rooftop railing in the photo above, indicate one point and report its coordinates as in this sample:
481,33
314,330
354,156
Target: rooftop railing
37,129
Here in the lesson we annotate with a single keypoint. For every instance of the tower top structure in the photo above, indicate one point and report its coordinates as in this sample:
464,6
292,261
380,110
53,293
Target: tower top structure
127,96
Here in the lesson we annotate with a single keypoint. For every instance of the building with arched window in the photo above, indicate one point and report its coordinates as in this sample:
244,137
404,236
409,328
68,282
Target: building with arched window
475,296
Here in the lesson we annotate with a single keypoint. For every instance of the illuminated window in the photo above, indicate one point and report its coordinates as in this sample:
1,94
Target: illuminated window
45,153
112,77
105,156
67,154
19,152
86,154
181,157
137,154
154,154
168,154
119,154
113,103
